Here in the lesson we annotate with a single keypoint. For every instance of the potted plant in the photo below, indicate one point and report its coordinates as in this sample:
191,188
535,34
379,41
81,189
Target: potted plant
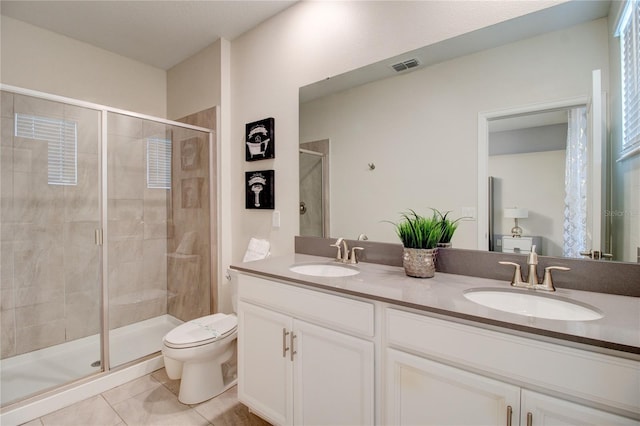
448,227
420,236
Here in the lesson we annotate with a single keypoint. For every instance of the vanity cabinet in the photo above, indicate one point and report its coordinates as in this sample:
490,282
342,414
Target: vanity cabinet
424,392
304,356
543,410
459,374
308,356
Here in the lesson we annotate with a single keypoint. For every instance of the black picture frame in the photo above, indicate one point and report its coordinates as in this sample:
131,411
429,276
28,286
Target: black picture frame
260,140
260,189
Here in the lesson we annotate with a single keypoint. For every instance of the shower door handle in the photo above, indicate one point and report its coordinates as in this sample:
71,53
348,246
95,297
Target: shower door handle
98,236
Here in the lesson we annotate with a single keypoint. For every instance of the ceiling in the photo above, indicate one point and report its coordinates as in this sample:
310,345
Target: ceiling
158,33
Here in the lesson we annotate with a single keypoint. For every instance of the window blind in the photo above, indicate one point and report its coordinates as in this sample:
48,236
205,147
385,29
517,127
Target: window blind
158,163
630,57
62,145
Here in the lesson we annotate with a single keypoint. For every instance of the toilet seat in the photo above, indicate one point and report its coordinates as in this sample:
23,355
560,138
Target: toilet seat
201,331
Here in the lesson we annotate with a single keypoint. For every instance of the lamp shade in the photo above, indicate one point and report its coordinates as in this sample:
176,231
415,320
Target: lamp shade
516,213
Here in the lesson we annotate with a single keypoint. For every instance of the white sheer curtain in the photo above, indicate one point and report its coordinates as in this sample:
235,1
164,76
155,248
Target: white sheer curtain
576,184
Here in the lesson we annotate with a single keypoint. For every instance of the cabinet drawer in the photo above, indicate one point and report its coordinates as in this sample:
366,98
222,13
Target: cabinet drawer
336,312
521,244
578,374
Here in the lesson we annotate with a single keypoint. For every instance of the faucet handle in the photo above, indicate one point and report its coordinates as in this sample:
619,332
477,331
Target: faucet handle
517,273
338,245
547,281
354,258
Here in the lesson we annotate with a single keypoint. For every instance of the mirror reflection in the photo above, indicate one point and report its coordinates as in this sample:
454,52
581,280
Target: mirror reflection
420,130
532,151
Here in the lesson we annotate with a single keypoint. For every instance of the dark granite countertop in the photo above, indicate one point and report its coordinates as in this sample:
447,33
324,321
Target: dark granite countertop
617,332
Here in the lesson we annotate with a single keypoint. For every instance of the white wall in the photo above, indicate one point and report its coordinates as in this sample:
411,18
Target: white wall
193,85
420,129
37,59
537,184
311,41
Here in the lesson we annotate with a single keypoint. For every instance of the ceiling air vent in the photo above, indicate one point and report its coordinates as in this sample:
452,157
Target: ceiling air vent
405,65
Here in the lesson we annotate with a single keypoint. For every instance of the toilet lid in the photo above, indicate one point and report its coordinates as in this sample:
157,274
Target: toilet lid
201,331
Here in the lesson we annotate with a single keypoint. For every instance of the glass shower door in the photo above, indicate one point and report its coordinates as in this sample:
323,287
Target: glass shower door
50,289
157,236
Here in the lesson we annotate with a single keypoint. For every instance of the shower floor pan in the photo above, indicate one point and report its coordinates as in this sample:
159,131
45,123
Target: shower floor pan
47,368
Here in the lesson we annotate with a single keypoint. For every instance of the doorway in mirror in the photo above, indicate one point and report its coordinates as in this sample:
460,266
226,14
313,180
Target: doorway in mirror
531,153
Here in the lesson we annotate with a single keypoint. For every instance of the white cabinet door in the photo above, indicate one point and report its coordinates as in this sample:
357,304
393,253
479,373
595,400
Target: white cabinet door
424,392
264,365
543,410
333,377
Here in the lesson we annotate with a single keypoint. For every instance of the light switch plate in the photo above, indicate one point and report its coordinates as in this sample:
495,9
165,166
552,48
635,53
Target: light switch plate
275,219
468,213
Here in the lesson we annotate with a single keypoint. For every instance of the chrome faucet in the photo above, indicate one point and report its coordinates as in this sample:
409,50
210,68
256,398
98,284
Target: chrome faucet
343,252
532,277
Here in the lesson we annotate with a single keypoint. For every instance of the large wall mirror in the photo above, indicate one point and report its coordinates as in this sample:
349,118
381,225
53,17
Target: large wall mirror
407,132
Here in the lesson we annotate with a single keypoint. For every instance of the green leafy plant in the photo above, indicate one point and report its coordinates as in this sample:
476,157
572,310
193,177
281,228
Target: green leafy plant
447,225
417,231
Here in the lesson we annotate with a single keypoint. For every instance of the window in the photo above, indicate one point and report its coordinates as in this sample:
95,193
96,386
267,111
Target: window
62,140
158,163
629,33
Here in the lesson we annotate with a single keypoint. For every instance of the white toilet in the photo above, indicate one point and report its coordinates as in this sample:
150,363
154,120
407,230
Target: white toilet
201,353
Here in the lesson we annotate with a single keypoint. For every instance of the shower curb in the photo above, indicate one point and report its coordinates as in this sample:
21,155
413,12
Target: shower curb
28,411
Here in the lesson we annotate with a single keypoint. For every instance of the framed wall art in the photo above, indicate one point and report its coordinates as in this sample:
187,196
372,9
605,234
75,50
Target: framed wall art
259,189
260,140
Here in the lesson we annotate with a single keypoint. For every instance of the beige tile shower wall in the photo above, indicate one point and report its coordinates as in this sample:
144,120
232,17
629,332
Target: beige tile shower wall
50,290
191,272
137,224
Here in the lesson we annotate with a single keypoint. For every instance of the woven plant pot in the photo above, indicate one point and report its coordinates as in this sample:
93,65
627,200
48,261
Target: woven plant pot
419,263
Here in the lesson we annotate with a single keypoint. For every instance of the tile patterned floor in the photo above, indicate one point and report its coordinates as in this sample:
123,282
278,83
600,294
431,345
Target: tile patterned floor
151,400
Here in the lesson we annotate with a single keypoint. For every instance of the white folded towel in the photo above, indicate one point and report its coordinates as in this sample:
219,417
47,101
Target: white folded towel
257,249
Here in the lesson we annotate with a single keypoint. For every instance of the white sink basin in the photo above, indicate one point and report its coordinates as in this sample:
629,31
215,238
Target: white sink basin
533,304
324,270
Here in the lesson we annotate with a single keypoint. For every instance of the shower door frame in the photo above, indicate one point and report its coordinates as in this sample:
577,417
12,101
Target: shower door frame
214,208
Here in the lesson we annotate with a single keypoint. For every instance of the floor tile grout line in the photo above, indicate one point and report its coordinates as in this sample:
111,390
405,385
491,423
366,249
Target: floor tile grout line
113,408
167,384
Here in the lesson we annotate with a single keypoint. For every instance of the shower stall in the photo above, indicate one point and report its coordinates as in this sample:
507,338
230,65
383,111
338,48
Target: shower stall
106,228
314,188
